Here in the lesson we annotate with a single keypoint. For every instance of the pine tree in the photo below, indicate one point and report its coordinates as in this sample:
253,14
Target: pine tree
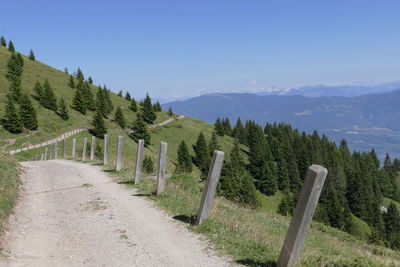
50,100
79,75
128,96
99,129
202,155
213,144
78,102
11,120
239,132
99,151
158,107
236,184
39,93
140,130
392,226
11,47
66,70
149,115
119,118
14,72
227,126
120,93
27,113
170,112
133,105
90,80
109,107
286,205
148,165
219,128
71,82
3,41
32,55
63,111
184,164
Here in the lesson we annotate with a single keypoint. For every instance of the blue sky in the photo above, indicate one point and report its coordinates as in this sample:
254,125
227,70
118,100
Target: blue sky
184,48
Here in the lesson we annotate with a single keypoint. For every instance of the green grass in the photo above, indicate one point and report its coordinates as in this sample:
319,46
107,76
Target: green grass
50,124
9,185
386,202
255,237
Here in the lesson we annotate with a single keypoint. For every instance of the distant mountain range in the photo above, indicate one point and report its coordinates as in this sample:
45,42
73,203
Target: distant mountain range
343,90
366,122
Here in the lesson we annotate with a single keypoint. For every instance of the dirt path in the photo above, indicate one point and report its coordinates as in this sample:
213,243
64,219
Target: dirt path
73,214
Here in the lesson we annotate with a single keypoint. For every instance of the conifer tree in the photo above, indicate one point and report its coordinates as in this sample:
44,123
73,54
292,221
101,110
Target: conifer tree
78,102
90,80
27,113
148,165
119,118
66,70
227,126
79,75
39,93
239,132
11,120
392,226
11,47
149,115
50,100
32,55
101,102
120,93
202,155
213,145
71,82
14,72
133,105
88,96
3,41
63,109
219,128
140,130
128,96
109,105
236,184
157,107
184,164
170,112
99,129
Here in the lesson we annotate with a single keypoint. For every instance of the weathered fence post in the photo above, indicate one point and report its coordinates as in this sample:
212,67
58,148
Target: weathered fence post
64,148
73,148
42,157
105,150
211,186
302,215
84,149
51,151
45,153
162,160
56,149
139,159
92,146
118,164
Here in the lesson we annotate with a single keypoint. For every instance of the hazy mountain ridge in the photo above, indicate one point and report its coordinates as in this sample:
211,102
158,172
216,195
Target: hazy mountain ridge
369,121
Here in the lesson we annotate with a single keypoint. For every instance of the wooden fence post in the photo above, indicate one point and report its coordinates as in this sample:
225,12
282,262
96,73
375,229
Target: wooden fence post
162,162
139,160
92,147
302,215
105,150
73,148
118,164
84,149
210,187
64,148
45,153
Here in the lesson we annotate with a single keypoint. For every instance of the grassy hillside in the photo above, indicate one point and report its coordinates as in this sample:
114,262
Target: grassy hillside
50,124
9,184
